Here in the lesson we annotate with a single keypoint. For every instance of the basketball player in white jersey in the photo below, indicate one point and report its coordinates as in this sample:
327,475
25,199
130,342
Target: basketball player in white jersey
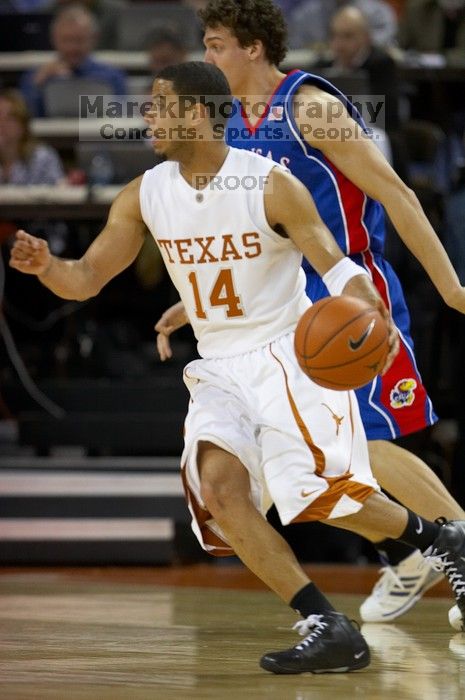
234,252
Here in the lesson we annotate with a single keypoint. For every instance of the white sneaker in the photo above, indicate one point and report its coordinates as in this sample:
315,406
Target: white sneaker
399,588
456,619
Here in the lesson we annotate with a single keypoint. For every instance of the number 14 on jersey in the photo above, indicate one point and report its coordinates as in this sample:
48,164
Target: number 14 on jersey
223,293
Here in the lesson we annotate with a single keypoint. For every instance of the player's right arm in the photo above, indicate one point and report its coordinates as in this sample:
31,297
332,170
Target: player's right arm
114,249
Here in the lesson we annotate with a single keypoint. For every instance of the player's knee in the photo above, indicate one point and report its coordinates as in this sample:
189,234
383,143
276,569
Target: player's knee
218,497
221,478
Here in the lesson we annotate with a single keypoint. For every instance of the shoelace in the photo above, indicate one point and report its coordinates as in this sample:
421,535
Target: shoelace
311,628
439,562
388,577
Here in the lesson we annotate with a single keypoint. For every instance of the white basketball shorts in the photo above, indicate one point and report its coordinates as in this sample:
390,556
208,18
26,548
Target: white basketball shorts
303,446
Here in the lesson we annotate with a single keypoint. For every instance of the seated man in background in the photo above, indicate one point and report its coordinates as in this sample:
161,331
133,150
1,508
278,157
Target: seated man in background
353,49
74,34
106,12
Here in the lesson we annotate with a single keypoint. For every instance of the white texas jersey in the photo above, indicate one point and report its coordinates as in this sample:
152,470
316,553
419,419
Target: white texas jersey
241,283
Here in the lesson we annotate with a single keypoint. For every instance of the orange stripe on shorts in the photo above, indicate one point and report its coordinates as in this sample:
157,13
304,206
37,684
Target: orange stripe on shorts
317,453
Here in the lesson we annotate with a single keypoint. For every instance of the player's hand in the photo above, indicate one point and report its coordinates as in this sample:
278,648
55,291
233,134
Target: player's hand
30,254
361,286
456,300
175,317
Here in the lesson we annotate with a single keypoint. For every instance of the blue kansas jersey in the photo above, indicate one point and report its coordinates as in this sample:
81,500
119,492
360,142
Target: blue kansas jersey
397,403
355,220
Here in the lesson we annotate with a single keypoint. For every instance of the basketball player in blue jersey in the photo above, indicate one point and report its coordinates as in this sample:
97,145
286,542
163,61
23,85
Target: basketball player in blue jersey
304,123
254,421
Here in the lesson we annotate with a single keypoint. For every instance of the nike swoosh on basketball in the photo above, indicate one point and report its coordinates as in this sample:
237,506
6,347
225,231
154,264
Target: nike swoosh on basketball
355,344
419,529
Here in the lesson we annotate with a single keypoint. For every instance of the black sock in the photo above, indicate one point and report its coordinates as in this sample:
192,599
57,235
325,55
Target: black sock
393,551
419,533
310,601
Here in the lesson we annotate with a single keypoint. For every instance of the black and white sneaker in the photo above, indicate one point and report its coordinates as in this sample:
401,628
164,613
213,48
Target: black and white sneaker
331,645
447,554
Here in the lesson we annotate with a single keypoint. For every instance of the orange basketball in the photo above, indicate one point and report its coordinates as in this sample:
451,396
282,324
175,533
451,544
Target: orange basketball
341,342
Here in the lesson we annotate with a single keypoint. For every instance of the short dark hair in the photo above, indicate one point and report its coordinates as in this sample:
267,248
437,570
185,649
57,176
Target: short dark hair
250,20
203,81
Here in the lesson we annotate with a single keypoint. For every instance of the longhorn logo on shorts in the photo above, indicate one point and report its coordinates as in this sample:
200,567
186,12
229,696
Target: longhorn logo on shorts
337,419
403,393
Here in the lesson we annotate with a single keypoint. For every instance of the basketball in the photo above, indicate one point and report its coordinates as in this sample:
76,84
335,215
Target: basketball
341,342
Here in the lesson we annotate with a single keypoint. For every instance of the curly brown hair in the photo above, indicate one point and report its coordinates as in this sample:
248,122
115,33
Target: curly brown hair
250,20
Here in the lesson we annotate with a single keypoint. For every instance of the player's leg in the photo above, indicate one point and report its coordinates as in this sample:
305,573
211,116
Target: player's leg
414,484
222,477
405,575
380,518
341,487
391,406
225,492
396,405
443,541
331,643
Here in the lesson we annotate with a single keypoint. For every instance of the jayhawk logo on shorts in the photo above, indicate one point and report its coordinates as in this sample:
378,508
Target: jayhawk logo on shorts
403,393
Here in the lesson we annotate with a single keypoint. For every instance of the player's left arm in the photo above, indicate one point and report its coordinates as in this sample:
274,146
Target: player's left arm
362,163
291,211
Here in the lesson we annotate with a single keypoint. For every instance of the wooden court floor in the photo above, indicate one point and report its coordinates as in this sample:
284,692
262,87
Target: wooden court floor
96,635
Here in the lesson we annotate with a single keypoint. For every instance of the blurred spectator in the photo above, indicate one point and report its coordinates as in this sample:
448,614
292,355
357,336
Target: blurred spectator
353,50
106,12
433,25
309,22
23,161
165,47
73,33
